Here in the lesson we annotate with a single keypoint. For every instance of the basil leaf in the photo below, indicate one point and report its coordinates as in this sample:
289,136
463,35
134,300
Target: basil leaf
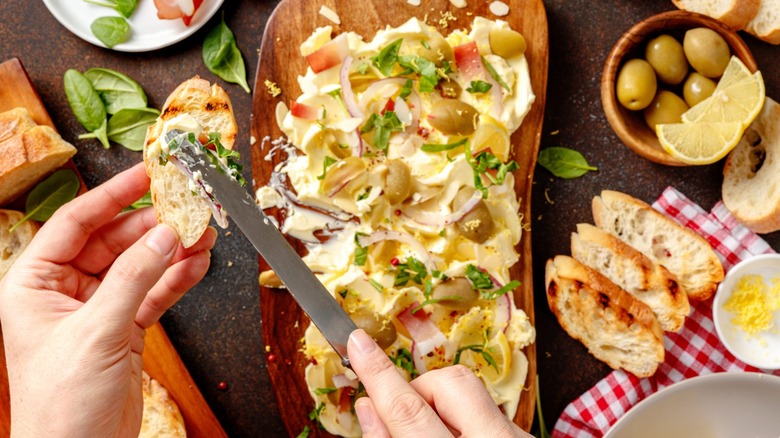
222,56
304,433
326,163
406,89
426,69
102,134
323,391
128,127
564,162
84,100
479,280
433,147
404,361
494,74
117,91
49,195
142,202
124,7
479,87
385,60
492,295
111,30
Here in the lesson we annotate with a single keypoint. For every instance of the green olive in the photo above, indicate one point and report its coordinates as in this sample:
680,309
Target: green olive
636,84
697,88
507,43
476,225
376,326
707,51
435,49
398,182
665,54
667,107
455,293
453,117
450,89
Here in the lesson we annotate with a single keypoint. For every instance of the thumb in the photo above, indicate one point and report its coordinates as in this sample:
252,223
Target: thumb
134,273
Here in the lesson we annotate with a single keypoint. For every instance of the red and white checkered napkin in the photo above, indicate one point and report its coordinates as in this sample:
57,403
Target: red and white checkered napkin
694,351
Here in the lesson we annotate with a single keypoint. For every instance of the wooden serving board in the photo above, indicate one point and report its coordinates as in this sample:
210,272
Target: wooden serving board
281,62
161,361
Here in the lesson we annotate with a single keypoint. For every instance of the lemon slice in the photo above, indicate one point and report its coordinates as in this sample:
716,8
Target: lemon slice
738,97
491,134
499,350
701,142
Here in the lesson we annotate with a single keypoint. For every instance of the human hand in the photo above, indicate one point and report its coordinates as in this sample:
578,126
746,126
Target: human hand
440,403
75,306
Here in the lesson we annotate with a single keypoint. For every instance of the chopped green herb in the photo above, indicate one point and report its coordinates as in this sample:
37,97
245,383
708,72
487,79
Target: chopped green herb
382,126
377,285
494,74
406,89
326,163
434,147
492,295
485,161
323,391
477,349
234,168
362,68
425,44
385,60
343,293
364,195
361,252
413,270
426,69
314,415
479,87
479,280
404,361
304,433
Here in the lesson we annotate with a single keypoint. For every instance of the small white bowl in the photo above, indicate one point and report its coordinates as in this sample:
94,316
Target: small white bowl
763,349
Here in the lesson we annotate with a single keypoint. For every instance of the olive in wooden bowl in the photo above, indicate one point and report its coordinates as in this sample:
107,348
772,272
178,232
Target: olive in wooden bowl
630,51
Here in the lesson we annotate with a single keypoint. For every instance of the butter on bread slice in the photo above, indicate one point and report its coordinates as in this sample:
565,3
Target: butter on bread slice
634,272
26,157
680,250
617,329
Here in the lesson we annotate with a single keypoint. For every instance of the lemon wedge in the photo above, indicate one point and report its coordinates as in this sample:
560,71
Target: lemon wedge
700,142
738,97
491,134
499,350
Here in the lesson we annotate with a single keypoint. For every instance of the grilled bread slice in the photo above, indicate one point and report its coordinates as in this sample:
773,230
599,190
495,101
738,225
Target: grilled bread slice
161,416
733,13
683,252
616,328
174,203
15,121
632,271
766,23
12,244
752,173
29,155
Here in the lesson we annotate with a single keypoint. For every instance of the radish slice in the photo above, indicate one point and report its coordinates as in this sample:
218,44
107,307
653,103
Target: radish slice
345,399
468,61
342,381
425,217
378,236
303,111
417,359
346,89
329,55
423,331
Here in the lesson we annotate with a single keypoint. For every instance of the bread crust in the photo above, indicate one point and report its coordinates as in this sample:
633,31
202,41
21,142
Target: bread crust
736,15
616,328
766,24
174,204
12,244
15,121
161,416
683,252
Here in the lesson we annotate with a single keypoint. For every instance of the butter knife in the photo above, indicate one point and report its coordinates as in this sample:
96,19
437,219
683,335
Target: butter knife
187,153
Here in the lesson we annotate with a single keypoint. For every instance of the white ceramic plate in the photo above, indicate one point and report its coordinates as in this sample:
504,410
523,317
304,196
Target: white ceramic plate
148,31
711,406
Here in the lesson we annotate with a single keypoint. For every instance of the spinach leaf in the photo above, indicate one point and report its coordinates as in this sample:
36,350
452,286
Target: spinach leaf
222,56
117,91
479,87
564,162
128,127
429,78
382,126
86,105
111,30
385,60
124,7
49,195
142,202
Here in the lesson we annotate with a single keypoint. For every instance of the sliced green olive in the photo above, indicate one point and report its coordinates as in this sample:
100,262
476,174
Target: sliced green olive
477,225
455,293
450,89
507,43
453,117
379,328
398,182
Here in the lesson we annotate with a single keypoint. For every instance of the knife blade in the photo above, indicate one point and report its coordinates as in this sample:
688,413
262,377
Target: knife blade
321,307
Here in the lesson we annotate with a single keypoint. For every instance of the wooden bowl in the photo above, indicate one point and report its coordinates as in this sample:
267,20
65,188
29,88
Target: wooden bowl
629,125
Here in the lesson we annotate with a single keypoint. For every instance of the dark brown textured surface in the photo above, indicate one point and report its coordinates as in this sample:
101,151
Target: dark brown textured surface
216,327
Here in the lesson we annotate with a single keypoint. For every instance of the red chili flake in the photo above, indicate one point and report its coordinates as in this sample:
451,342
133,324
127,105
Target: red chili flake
422,132
288,362
313,361
222,386
281,312
668,254
389,106
394,261
398,212
271,358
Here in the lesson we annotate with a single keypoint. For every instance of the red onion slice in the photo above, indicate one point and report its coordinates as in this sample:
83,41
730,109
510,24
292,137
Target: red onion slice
503,311
378,236
423,331
346,89
432,219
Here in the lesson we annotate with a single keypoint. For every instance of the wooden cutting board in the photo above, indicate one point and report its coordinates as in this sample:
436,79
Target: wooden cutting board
281,62
161,361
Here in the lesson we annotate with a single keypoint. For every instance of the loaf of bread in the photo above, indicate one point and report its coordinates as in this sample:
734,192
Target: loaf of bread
733,13
15,121
751,176
28,156
161,416
766,23
683,252
174,203
616,328
634,272
12,244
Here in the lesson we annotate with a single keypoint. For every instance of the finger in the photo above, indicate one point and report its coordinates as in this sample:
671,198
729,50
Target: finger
399,406
64,235
176,281
370,423
446,390
133,274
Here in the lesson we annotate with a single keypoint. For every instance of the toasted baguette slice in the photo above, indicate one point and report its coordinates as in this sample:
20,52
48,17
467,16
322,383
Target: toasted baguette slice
27,157
766,23
616,328
683,252
733,13
161,416
15,121
12,244
632,271
751,177
174,203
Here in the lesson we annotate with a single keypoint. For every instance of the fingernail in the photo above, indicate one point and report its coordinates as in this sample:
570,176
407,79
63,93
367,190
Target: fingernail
365,416
362,341
162,239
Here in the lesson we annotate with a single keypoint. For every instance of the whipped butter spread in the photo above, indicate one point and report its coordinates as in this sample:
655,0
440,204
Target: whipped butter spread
398,177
